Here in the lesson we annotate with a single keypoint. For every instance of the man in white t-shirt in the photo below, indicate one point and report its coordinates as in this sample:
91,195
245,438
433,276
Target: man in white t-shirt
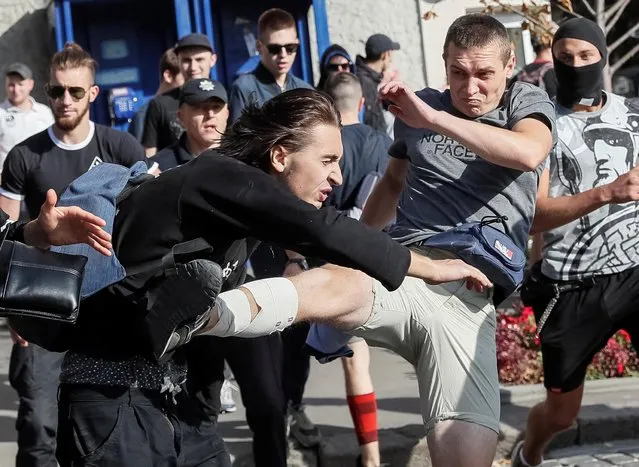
20,115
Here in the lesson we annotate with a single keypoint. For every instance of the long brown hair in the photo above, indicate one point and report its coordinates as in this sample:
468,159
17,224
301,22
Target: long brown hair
286,120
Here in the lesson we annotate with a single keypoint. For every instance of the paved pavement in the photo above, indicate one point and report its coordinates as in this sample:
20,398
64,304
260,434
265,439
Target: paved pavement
611,411
625,453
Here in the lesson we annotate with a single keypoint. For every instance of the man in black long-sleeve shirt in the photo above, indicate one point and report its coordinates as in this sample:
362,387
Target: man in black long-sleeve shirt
130,420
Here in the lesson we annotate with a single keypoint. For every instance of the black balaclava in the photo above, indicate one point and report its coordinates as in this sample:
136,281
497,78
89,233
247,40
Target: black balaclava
580,85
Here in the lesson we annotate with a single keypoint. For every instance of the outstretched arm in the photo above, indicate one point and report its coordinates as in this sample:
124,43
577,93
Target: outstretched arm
555,212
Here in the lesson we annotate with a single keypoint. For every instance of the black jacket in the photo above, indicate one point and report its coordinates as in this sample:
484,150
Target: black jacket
371,80
226,202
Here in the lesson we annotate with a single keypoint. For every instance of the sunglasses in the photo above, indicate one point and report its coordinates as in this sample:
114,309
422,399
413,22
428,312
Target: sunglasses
339,67
57,92
274,49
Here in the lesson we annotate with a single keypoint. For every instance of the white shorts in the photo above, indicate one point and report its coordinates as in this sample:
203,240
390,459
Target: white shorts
447,333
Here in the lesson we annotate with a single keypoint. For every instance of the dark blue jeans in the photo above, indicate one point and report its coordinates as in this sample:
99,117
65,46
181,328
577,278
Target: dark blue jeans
110,426
35,374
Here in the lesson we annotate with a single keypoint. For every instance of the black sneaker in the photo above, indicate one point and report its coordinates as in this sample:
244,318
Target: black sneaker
302,428
179,305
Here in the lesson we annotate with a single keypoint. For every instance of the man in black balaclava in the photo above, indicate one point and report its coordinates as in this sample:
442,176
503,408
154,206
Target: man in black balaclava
580,54
591,248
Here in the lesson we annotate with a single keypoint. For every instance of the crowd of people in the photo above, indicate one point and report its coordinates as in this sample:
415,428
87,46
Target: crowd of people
331,191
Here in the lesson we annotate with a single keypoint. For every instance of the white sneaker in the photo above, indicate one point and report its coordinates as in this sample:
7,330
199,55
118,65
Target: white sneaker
226,398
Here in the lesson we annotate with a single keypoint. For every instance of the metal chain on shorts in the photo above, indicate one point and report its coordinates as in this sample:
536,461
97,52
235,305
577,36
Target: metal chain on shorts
551,305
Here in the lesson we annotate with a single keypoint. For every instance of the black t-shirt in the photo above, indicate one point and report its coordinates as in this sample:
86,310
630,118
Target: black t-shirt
173,156
161,126
42,162
226,201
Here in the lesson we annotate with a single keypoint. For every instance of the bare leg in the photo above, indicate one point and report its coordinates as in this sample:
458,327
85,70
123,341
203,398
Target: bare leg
557,413
454,443
340,296
358,382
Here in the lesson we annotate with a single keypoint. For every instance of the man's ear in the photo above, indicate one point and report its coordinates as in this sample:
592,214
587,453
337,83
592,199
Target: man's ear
510,66
362,102
279,159
93,93
167,77
213,59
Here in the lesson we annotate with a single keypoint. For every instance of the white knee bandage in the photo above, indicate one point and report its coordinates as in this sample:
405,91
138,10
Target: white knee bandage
276,298
234,313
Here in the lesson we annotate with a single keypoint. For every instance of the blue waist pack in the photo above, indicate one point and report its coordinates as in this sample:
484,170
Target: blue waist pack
488,249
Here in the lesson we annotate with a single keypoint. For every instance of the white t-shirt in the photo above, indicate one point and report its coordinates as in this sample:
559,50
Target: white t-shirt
594,149
16,125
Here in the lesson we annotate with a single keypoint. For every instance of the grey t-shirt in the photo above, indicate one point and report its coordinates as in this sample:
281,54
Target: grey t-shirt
447,184
594,149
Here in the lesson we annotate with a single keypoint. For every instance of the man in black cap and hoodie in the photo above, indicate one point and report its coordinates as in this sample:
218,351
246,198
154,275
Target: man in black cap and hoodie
370,71
586,286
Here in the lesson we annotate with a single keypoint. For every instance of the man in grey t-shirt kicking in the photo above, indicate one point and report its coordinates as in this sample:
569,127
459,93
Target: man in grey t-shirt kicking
474,151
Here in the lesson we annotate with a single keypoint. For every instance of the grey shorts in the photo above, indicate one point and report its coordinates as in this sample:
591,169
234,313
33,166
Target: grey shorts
447,333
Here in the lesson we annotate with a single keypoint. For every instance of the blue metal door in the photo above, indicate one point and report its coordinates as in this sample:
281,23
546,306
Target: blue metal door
127,38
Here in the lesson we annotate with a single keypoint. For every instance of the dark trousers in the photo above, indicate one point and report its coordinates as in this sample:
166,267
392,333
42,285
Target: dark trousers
111,426
35,374
257,366
297,363
269,260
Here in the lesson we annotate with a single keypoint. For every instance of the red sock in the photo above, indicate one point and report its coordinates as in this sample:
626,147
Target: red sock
364,414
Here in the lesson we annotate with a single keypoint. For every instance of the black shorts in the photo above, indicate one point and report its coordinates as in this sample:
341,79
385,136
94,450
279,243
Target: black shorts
581,322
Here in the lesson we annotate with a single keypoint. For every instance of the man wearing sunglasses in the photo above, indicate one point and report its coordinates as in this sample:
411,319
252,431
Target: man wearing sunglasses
53,158
277,44
261,387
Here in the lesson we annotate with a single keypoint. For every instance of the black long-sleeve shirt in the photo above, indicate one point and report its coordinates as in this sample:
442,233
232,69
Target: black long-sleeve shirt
14,230
225,201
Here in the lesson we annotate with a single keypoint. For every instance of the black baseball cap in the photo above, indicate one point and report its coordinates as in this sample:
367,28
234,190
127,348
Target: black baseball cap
197,91
377,44
19,69
193,40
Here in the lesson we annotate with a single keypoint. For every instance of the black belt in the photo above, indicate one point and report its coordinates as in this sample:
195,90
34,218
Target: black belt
559,288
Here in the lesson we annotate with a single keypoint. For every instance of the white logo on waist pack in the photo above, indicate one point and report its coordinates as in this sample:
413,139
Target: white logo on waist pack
504,250
96,161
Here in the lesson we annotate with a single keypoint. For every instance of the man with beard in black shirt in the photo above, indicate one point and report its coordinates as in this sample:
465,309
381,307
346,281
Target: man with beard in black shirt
53,158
